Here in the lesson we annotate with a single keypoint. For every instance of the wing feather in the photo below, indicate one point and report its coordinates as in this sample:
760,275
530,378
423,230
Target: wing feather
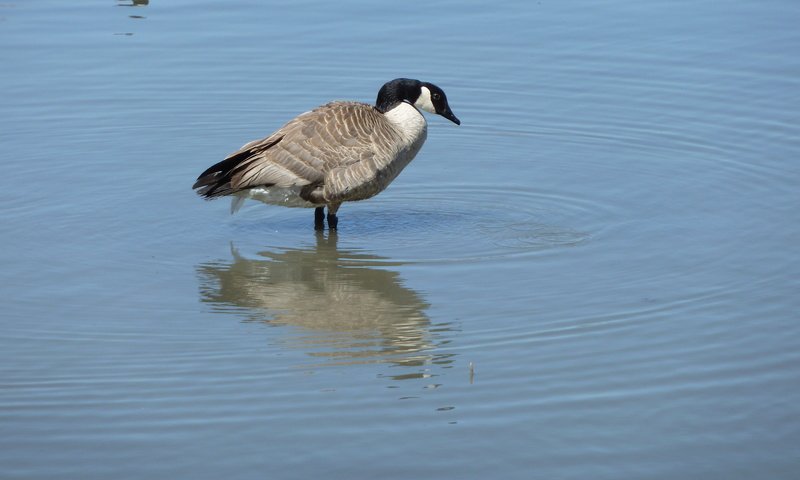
302,152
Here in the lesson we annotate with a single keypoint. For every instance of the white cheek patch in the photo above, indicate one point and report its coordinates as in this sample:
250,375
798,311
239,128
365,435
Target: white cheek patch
424,101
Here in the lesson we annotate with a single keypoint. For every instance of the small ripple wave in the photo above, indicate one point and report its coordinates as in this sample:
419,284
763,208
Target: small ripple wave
457,223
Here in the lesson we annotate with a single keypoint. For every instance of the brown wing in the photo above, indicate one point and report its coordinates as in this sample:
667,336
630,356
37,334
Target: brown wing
301,152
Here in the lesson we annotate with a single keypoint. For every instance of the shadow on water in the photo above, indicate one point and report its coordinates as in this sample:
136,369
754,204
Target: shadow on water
345,306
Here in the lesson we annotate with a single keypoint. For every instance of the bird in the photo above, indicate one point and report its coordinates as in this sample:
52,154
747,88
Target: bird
342,151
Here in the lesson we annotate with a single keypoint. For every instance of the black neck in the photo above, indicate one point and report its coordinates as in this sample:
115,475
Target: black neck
397,91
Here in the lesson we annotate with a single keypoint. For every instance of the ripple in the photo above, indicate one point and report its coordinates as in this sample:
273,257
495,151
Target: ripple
454,224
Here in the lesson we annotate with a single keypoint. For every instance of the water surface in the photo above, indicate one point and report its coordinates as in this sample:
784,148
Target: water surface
595,276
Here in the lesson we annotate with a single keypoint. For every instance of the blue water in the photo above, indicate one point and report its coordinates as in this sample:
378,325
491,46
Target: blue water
595,276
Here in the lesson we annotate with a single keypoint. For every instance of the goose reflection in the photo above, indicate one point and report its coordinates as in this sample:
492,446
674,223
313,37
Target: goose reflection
349,308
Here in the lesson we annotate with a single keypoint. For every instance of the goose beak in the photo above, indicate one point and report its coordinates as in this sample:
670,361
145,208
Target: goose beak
448,114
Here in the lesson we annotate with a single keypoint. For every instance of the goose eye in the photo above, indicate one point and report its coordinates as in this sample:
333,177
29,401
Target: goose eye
435,96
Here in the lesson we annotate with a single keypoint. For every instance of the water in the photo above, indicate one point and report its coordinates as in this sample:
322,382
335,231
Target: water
595,276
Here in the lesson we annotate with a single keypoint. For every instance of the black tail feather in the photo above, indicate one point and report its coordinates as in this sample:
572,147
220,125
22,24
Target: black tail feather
216,180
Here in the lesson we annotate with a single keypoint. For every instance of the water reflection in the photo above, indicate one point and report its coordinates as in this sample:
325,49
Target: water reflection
347,306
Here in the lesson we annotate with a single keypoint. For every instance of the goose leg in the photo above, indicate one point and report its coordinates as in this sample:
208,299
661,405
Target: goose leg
333,221
319,218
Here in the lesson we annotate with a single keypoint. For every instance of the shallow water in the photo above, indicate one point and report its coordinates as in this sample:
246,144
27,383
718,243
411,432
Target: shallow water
595,276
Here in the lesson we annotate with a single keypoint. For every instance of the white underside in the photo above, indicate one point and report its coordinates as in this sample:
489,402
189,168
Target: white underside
283,196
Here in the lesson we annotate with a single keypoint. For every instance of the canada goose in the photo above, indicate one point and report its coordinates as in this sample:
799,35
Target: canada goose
338,152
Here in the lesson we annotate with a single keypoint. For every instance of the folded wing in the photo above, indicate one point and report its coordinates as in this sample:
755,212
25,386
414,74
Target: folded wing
334,136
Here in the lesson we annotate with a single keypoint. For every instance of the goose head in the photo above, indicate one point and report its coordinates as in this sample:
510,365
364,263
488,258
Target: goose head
423,95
